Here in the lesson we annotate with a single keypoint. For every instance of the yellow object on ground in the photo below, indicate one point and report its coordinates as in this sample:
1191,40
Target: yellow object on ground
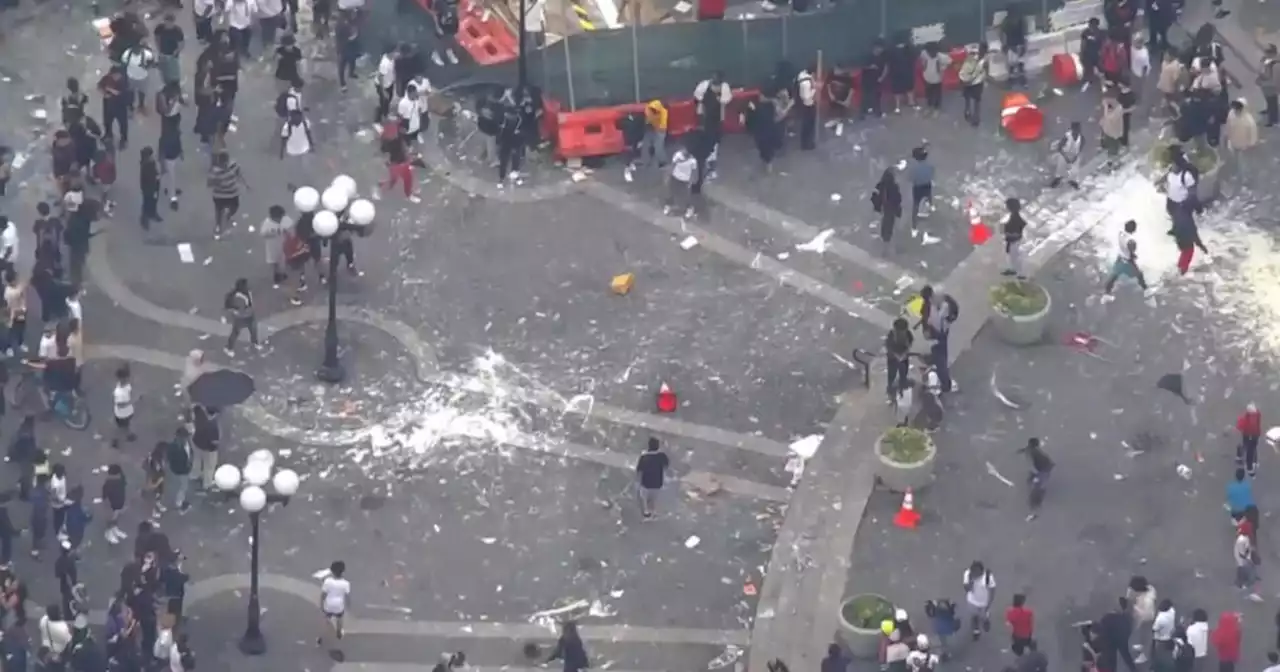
914,306
622,284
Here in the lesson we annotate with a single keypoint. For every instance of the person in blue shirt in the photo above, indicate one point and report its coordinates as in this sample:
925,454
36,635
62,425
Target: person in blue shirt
1239,495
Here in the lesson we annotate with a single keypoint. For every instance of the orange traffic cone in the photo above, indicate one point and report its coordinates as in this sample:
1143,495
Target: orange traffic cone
667,401
979,233
906,517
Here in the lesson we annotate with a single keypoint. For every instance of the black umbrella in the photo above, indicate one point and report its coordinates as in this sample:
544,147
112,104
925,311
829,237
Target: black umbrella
1172,382
221,388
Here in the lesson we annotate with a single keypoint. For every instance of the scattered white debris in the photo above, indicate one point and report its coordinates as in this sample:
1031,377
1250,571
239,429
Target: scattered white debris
991,469
185,253
835,198
1184,472
692,542
488,541
784,256
1273,435
683,7
689,243
819,244
929,240
322,574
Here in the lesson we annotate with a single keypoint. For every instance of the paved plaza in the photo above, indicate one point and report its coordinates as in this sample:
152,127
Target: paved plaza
475,470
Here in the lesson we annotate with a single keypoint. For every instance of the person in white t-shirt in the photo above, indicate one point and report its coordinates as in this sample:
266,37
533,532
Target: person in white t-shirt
295,135
684,169
8,243
979,591
335,592
409,111
386,82
122,406
139,61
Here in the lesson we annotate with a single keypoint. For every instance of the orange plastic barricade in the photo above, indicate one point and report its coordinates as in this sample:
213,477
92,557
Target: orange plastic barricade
682,117
1022,120
592,132
735,112
1067,69
485,37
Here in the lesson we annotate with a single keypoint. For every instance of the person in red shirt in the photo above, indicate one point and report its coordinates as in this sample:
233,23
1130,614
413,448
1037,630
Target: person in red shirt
1021,622
1226,641
1249,424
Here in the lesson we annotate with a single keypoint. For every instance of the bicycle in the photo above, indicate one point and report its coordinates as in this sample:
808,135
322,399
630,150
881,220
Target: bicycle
28,393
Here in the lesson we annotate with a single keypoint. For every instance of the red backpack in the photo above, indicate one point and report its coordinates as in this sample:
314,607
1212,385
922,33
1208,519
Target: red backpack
1111,57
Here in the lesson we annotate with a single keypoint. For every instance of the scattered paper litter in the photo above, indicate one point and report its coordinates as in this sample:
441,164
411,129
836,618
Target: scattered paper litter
692,542
1273,435
929,240
19,160
689,243
806,447
835,198
185,253
784,255
322,574
207,261
902,164
683,7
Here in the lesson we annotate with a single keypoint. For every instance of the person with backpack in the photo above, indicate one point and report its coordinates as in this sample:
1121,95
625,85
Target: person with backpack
289,101
139,60
510,145
979,592
73,102
149,183
240,311
897,350
937,314
295,136
1269,81
942,615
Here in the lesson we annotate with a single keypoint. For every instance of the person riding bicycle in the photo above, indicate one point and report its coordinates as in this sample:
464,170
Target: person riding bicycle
60,372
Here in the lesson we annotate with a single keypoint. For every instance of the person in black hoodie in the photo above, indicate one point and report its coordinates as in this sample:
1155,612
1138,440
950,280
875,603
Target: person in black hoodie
1014,228
1159,16
173,584
902,72
23,451
1091,40
68,575
1114,630
489,121
569,649
510,146
531,113
149,182
762,123
887,200
1013,33
632,126
206,437
409,64
835,661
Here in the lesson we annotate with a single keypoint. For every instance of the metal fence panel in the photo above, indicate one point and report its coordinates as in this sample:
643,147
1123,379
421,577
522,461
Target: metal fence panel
674,57
602,67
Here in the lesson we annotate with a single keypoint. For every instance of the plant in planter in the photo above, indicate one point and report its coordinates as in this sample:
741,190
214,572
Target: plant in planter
906,456
1204,158
905,445
860,619
1021,310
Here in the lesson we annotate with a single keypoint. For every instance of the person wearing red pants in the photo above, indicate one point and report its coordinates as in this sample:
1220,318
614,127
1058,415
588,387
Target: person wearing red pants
1186,235
399,167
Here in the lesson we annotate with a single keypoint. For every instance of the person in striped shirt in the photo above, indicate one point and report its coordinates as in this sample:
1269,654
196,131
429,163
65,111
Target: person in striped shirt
225,180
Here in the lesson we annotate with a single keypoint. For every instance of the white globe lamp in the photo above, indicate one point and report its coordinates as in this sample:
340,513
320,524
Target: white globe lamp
256,474
362,212
227,477
253,499
264,456
325,224
306,199
335,199
286,482
347,185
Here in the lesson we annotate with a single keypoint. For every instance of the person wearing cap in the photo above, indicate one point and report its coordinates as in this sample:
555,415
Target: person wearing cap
1249,424
920,659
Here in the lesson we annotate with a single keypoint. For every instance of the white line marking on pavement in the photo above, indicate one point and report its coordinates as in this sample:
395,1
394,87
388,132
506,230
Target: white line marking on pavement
798,229
741,255
635,634
608,458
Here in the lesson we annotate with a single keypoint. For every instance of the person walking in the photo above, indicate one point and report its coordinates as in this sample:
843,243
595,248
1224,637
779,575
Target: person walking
1066,156
1186,235
1014,230
273,230
395,147
295,139
38,523
170,40
335,593
1021,622
887,201
225,180
979,591
510,146
240,311
938,312
59,498
122,406
206,438
1226,641
1126,263
1239,495
933,66
654,144
807,108
1269,81
155,469
238,16
680,184
180,459
139,60
114,87
1111,124
1249,424
651,469
149,183
115,491
1241,131
922,174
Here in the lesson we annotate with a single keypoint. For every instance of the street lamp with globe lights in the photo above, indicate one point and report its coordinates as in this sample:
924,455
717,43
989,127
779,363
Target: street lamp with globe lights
342,210
250,482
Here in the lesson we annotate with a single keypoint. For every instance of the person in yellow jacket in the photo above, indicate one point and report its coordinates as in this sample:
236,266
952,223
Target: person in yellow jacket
655,134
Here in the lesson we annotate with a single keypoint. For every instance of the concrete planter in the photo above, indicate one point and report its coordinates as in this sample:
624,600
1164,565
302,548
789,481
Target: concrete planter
901,476
862,641
1021,329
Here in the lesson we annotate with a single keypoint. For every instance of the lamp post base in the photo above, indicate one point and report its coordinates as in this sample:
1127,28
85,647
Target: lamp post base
331,374
253,643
